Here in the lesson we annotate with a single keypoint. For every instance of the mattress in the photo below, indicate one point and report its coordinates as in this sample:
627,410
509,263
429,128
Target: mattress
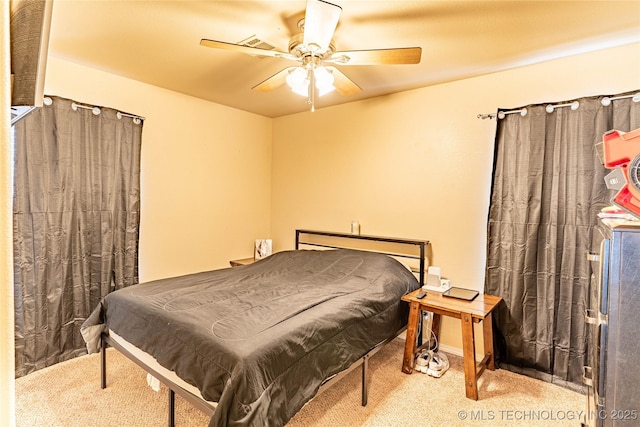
261,339
151,362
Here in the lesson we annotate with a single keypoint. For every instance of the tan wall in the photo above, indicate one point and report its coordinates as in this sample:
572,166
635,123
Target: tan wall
7,361
419,163
206,189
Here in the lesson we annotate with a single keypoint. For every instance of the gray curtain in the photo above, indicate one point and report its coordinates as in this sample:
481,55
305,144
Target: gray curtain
76,220
547,190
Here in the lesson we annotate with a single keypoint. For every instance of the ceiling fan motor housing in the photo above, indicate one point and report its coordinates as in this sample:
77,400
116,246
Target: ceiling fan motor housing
300,50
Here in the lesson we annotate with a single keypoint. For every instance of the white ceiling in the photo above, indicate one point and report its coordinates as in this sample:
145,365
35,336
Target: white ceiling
157,42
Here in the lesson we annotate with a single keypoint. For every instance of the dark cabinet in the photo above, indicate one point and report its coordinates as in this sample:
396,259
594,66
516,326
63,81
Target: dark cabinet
612,374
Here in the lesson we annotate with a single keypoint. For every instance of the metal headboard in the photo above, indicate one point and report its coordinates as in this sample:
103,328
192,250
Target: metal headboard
421,244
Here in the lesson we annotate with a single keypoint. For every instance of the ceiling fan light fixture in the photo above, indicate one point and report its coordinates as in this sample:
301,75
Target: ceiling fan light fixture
298,81
324,80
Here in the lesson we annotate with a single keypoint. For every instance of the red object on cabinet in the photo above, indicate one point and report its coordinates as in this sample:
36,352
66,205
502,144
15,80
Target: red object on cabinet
622,150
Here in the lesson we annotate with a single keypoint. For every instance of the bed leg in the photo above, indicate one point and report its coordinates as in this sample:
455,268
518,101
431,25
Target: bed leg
365,391
103,364
172,408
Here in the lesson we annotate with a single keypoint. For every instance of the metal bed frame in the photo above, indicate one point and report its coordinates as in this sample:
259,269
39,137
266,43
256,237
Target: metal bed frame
206,407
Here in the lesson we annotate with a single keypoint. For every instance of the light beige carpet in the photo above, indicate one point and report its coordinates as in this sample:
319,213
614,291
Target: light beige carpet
69,394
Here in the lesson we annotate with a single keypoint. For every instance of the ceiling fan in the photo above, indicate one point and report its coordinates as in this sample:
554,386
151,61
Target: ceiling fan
317,57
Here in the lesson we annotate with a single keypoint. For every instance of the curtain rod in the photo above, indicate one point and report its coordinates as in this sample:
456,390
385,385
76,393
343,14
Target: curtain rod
96,110
606,101
502,114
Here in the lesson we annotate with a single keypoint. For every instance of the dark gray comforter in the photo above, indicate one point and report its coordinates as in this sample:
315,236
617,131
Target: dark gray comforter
260,339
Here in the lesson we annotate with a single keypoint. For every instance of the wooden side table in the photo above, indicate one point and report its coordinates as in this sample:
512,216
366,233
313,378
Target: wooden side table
469,312
243,261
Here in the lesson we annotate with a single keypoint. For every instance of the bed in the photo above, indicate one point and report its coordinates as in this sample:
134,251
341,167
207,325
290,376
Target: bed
251,345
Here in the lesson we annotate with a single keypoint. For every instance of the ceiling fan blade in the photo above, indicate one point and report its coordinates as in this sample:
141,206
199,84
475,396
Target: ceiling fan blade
343,84
320,22
246,49
403,55
275,81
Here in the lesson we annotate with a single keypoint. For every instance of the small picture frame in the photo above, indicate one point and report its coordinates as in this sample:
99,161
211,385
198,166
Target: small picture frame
263,248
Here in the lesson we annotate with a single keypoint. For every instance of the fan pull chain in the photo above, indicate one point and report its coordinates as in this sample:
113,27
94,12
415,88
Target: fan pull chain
312,84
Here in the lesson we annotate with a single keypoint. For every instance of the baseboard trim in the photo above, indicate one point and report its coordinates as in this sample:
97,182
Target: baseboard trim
451,350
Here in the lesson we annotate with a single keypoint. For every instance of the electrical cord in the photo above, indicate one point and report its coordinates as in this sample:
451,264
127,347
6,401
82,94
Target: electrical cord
430,361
